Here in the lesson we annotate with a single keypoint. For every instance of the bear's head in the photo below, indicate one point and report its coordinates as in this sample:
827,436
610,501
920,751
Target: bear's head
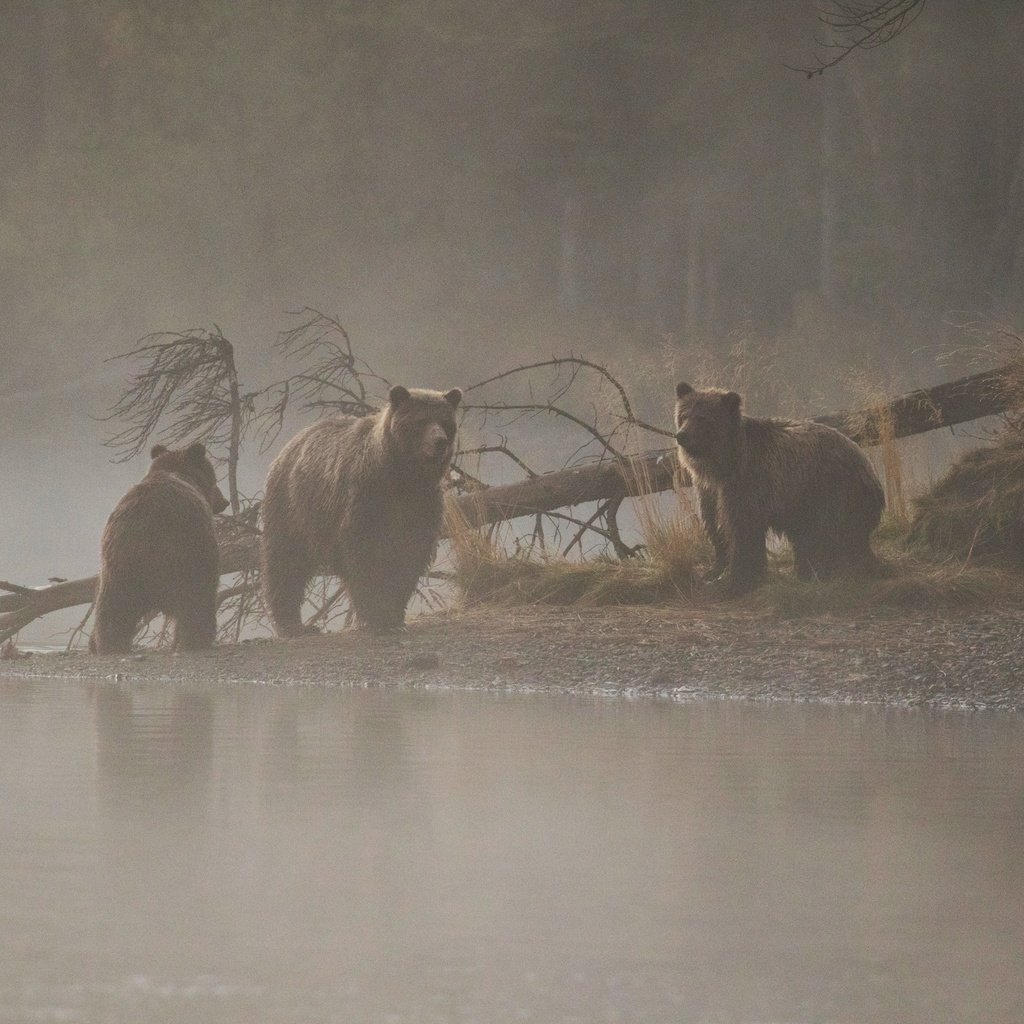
194,465
420,427
708,425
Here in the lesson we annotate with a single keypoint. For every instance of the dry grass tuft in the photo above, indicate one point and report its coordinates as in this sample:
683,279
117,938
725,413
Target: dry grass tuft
557,581
674,537
907,584
977,509
874,419
667,570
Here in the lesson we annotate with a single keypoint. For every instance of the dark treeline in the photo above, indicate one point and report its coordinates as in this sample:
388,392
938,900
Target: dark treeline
462,179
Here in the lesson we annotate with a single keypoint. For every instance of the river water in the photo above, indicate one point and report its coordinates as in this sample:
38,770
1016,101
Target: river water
294,854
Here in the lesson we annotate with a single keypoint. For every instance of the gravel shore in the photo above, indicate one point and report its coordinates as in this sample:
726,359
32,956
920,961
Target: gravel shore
943,660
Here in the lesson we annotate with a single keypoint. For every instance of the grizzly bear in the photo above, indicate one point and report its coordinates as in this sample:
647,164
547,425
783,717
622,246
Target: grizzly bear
807,482
359,498
159,554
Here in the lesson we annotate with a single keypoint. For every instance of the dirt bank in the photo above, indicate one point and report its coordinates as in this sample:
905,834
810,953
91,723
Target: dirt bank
969,660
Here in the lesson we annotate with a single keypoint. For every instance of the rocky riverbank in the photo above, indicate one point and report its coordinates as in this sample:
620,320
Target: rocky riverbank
949,659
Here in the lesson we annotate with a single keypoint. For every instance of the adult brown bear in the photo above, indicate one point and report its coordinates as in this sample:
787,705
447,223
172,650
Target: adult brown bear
803,480
159,554
359,498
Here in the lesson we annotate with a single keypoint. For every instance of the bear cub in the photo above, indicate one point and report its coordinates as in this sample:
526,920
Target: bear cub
159,554
359,498
805,481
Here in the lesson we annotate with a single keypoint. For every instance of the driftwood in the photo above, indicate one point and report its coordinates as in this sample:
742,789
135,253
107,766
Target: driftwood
982,394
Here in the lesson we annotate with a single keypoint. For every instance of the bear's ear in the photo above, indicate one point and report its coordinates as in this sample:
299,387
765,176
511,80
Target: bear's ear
398,396
453,397
683,389
157,450
196,450
732,401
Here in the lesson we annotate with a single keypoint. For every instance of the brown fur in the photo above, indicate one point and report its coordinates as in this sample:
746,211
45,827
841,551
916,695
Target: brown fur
159,554
359,498
803,480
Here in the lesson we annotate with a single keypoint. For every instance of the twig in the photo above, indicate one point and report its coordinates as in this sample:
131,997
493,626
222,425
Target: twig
859,25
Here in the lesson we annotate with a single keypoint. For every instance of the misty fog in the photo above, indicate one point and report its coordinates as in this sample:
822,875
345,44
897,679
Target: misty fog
468,186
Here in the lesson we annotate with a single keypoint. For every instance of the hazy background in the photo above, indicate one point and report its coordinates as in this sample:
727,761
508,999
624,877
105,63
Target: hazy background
470,184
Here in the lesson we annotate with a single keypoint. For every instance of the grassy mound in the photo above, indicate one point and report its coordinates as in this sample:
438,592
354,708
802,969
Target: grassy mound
976,511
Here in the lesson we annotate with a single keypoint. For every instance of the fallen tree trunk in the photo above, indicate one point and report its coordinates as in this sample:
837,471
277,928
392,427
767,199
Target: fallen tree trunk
945,405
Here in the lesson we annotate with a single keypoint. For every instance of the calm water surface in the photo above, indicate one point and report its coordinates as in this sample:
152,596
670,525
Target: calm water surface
267,854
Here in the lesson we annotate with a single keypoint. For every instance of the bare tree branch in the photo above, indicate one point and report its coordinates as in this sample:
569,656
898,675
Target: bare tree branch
187,389
860,25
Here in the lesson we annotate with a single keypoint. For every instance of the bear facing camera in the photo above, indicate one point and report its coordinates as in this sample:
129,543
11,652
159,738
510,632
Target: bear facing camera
358,497
805,481
159,554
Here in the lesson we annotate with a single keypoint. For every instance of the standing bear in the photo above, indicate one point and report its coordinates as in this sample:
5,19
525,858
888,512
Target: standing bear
803,480
359,498
159,554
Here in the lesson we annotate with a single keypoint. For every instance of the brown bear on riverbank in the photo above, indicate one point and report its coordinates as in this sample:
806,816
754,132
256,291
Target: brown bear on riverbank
359,498
807,482
159,554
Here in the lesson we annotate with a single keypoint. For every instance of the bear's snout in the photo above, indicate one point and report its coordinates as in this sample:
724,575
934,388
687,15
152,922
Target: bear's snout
435,443
218,502
692,442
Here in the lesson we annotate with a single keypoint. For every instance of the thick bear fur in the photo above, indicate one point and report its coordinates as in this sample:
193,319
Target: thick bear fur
803,480
359,498
159,554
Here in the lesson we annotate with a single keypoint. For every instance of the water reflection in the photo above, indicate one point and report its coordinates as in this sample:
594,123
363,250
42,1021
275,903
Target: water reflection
280,854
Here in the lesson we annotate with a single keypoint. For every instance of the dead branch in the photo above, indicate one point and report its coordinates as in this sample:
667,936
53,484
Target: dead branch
860,25
494,449
337,378
187,389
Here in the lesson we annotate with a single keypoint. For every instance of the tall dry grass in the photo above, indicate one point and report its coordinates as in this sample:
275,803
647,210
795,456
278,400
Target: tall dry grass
665,569
874,419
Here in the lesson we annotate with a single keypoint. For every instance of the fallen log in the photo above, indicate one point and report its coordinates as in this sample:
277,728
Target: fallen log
945,405
988,393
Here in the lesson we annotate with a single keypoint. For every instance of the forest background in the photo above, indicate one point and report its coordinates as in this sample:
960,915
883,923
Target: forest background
470,186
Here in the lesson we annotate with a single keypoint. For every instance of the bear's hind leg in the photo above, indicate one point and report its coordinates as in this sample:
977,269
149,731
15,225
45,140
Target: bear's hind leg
807,561
117,619
286,571
826,552
195,621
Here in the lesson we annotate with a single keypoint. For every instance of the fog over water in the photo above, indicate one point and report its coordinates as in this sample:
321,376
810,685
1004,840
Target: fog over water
263,853
473,185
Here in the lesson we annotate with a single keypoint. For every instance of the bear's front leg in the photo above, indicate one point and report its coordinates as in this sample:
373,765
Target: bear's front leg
748,557
709,514
377,598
